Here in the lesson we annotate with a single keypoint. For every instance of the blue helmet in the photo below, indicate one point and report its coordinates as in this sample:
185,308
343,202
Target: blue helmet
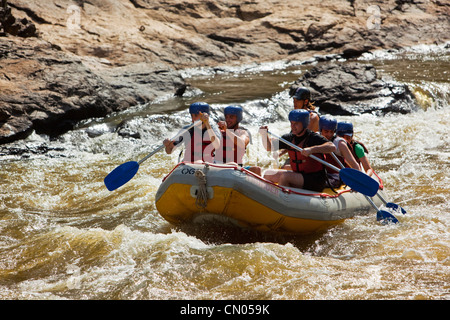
344,128
237,110
197,107
328,123
300,115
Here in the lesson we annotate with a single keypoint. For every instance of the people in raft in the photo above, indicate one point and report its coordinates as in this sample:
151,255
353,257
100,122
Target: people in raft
343,155
234,137
302,100
307,173
345,130
200,142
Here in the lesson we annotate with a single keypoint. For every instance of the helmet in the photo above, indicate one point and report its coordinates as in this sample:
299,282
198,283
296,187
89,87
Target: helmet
344,128
237,110
197,107
302,94
328,123
300,115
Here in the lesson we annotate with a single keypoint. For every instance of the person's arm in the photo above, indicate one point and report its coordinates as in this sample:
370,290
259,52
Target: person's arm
240,140
348,156
326,147
215,140
366,165
267,143
359,151
314,122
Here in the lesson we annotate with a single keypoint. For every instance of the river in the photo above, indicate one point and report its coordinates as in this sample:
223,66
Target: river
63,235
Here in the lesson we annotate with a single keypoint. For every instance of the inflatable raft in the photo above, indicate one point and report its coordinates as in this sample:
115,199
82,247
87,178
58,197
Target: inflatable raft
195,193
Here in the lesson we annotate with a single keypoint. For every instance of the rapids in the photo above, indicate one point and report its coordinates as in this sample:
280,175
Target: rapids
63,235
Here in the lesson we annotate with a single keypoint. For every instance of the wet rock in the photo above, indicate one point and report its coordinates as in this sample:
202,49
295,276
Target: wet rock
353,88
26,150
47,90
126,130
17,27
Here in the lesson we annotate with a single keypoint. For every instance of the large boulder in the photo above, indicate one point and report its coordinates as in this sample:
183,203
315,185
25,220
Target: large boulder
47,90
353,88
17,27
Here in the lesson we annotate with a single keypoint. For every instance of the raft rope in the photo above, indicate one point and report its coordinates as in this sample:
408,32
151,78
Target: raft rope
202,193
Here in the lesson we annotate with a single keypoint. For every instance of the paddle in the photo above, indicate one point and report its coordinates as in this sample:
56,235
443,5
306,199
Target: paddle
391,205
355,179
126,171
382,215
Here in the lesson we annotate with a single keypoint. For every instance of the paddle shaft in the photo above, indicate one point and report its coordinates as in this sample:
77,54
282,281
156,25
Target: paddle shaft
382,213
176,136
367,197
329,165
126,171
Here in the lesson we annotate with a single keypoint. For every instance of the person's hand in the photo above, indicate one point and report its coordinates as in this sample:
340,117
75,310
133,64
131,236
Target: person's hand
222,125
204,117
167,142
307,152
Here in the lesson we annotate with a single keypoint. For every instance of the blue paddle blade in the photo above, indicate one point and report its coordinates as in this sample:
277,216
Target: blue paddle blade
396,207
386,217
121,175
359,181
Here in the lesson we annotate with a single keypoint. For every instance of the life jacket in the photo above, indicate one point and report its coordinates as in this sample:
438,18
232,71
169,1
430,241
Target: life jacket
229,148
302,164
330,159
351,146
196,148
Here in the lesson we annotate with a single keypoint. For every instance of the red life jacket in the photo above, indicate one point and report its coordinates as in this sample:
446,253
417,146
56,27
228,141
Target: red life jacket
329,158
229,148
196,148
300,163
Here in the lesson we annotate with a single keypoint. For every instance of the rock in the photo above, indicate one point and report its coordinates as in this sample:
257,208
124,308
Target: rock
198,33
124,129
353,88
49,91
21,28
142,83
62,61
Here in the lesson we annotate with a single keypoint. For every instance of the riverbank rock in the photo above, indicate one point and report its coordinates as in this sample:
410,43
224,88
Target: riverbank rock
198,33
72,60
45,89
9,24
353,88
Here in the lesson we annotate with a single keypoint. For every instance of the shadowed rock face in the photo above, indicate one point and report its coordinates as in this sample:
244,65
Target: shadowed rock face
73,59
354,88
